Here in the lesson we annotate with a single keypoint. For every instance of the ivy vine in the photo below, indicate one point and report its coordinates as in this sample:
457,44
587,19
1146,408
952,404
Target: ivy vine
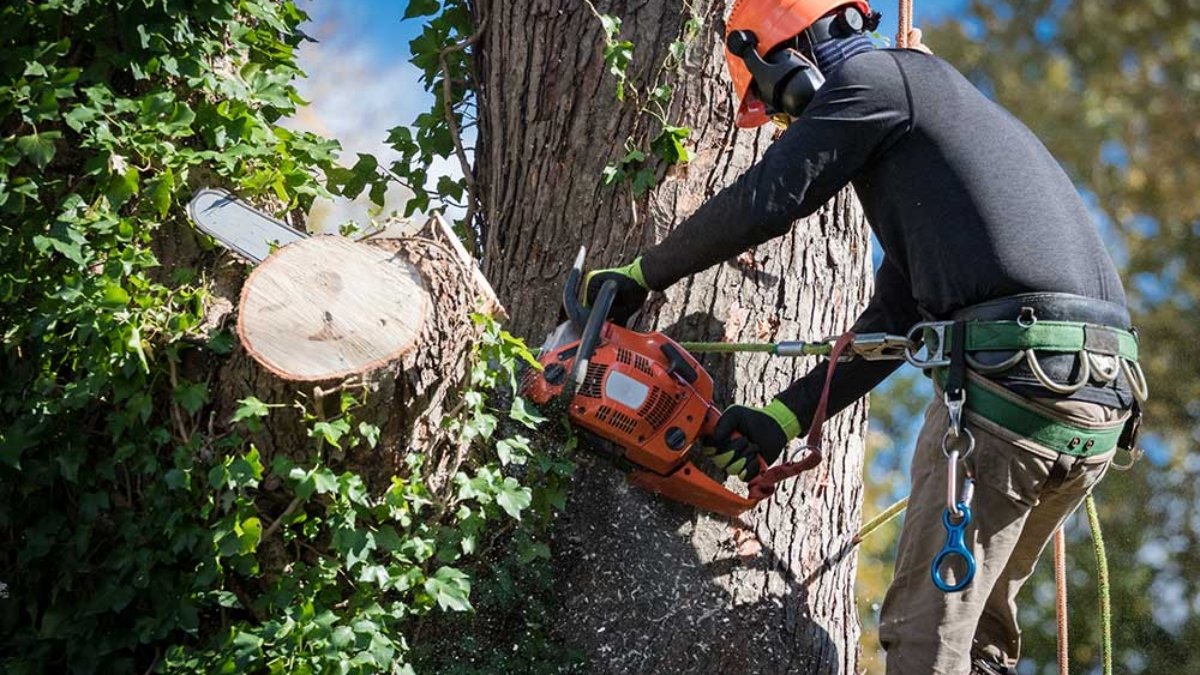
653,102
140,532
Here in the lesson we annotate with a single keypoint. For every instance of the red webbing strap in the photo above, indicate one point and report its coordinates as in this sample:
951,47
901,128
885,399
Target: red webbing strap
763,485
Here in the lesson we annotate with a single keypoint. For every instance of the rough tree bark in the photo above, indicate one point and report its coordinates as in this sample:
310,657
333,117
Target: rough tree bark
648,586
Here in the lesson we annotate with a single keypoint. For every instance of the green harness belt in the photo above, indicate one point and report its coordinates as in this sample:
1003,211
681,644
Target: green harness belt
1024,417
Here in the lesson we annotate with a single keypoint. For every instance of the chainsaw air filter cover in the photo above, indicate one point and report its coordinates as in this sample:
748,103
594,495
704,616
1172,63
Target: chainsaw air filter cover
640,391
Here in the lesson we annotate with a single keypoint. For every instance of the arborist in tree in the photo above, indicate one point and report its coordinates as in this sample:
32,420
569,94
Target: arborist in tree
988,251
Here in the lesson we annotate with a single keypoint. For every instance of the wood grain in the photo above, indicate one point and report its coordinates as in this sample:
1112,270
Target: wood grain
326,308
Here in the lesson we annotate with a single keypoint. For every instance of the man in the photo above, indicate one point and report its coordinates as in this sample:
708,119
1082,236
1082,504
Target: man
979,225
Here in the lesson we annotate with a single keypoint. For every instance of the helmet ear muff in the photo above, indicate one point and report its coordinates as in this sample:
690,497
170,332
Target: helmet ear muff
786,80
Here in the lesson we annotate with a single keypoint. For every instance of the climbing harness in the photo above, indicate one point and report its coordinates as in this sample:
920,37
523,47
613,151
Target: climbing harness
949,349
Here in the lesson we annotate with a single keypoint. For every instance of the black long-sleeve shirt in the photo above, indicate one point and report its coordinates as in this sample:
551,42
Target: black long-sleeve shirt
966,202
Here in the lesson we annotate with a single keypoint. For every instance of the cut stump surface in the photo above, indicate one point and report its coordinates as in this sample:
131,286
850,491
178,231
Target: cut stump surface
326,308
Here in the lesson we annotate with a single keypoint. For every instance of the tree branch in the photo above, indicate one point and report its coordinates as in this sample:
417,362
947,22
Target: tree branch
455,133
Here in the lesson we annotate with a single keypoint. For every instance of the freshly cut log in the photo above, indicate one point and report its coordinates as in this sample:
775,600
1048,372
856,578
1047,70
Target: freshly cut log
326,308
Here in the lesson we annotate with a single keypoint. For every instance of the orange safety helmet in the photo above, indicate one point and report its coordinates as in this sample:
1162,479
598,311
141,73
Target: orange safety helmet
773,23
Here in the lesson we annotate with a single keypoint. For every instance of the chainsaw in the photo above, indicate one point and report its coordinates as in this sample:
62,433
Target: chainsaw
639,398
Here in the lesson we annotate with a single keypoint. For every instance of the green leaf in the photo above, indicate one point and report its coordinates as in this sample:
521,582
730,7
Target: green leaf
249,533
305,483
370,432
115,296
611,25
644,181
513,450
250,408
418,8
39,148
451,589
192,396
524,415
513,498
325,481
330,432
160,191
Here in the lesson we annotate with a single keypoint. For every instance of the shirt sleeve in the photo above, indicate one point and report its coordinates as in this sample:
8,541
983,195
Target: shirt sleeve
860,112
892,310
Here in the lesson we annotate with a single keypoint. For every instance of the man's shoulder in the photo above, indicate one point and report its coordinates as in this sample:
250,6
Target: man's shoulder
877,68
876,73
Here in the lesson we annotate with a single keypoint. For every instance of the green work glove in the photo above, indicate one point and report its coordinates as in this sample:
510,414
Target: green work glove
743,434
631,290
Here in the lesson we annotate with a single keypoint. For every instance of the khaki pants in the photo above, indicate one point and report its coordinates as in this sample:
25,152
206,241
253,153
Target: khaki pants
1016,512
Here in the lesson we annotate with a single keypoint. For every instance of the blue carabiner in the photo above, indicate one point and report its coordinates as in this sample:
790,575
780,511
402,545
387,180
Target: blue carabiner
955,546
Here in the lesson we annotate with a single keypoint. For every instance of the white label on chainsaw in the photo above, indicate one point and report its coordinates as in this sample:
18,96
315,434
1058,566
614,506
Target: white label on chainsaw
625,390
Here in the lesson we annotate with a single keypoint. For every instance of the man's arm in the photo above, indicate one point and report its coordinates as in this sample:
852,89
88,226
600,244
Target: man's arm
891,310
860,112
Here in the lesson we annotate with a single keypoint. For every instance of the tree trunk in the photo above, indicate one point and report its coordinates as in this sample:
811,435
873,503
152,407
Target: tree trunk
645,585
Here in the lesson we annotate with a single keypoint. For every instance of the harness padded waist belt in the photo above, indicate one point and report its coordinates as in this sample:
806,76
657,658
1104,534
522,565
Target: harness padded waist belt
1048,307
1048,322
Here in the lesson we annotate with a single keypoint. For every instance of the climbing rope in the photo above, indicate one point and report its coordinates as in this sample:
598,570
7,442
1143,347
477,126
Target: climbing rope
905,19
1102,585
880,520
1060,598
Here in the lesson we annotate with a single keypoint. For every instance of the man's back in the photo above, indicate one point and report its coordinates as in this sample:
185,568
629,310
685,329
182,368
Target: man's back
967,201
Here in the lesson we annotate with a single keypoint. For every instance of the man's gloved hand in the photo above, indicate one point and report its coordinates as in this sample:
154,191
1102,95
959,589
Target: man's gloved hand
743,434
631,290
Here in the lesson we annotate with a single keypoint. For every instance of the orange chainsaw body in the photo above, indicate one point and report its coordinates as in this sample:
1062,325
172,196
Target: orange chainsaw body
651,399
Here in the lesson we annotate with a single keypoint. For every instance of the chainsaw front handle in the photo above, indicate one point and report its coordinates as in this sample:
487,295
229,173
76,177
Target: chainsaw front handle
591,330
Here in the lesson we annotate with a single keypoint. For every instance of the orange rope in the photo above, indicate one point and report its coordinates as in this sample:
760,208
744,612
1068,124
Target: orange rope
905,18
1060,586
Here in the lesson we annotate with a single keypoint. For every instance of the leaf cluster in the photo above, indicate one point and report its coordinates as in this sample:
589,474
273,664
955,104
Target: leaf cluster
140,529
653,101
445,57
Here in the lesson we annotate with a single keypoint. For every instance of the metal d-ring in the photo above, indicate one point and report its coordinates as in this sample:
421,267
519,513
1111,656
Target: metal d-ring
1134,455
936,355
1085,374
984,369
1098,372
1141,390
947,450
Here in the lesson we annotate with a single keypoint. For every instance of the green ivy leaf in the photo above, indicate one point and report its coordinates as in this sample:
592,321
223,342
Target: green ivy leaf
611,25
644,181
324,481
521,413
192,396
370,432
160,191
249,533
451,589
513,498
39,148
250,408
115,296
418,8
330,432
